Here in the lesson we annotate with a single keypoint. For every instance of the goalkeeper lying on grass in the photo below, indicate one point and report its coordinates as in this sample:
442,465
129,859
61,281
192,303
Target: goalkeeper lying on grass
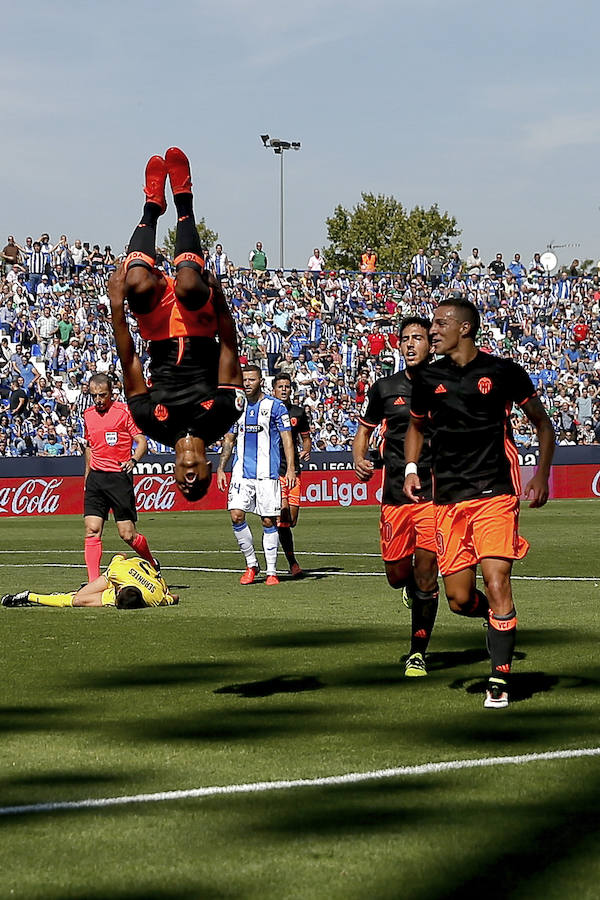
127,584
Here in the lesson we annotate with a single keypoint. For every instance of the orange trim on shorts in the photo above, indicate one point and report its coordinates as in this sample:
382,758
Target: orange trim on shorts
472,530
403,529
292,495
189,257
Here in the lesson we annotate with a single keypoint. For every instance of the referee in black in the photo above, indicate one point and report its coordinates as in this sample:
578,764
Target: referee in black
110,433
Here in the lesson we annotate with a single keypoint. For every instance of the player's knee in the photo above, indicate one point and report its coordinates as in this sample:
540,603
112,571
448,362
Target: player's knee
238,517
497,587
93,531
190,288
459,601
127,533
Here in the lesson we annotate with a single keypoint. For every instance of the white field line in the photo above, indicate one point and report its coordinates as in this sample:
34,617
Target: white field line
32,565
593,578
259,787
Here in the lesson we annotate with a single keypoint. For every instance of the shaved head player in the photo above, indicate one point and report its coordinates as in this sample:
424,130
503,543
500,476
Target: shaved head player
195,395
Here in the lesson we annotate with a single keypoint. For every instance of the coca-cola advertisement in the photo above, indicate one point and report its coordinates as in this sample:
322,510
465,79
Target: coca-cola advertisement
156,492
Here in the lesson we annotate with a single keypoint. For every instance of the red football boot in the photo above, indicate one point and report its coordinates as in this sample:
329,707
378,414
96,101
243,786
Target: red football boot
271,580
249,575
178,166
154,188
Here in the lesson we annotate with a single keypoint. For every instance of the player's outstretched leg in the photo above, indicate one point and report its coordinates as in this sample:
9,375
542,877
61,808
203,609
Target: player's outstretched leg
191,287
141,252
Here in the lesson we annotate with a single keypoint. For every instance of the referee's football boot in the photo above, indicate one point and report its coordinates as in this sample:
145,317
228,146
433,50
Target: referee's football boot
415,667
496,695
12,600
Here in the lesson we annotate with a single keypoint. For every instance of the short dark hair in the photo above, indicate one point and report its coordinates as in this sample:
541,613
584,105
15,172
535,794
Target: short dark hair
468,312
130,597
251,367
283,376
101,379
414,320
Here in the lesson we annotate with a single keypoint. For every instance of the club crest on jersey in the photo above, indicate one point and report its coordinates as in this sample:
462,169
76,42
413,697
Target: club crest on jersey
484,385
161,412
240,400
111,438
399,401
440,389
294,421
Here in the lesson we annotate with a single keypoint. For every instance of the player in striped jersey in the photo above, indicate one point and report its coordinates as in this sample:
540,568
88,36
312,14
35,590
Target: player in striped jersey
254,485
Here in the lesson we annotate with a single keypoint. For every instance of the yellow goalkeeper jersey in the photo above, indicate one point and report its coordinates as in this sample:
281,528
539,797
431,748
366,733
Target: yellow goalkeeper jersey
136,572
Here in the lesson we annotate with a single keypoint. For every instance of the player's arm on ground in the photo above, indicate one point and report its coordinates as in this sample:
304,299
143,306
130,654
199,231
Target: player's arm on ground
133,376
230,371
536,488
226,451
413,444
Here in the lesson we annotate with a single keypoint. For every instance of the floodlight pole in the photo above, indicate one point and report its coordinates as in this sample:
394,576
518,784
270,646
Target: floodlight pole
278,146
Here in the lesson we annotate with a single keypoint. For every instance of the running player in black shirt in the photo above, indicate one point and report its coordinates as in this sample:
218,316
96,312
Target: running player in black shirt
407,531
467,397
290,497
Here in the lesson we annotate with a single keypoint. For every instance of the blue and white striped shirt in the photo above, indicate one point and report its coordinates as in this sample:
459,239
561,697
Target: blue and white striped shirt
257,452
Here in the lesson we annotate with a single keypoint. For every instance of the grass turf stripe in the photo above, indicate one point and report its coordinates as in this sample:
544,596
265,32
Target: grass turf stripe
257,787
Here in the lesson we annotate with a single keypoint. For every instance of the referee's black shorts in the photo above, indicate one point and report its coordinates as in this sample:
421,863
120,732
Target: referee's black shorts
110,490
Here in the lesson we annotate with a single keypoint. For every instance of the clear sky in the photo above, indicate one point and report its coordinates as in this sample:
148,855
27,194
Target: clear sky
490,110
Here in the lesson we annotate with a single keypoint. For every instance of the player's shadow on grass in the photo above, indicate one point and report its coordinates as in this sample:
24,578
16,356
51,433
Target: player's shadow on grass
525,685
157,675
316,574
452,659
207,892
281,684
257,723
37,718
326,637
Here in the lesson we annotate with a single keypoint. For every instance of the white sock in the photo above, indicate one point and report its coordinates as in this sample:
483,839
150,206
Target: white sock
244,539
270,546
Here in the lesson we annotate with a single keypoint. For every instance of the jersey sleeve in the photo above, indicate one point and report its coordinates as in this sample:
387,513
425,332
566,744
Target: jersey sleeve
372,412
303,423
130,424
419,403
281,417
520,385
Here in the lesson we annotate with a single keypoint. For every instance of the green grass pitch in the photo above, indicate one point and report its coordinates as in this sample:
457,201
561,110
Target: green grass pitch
301,681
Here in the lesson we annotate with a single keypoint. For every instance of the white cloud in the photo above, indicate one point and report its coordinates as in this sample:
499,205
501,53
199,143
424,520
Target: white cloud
559,131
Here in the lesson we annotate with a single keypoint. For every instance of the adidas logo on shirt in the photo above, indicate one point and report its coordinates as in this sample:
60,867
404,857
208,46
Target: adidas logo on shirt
399,401
440,389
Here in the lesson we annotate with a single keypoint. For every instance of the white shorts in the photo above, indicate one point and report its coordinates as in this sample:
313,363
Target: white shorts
256,495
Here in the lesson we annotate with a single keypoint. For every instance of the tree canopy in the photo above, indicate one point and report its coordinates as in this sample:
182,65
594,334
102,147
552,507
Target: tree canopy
383,224
208,238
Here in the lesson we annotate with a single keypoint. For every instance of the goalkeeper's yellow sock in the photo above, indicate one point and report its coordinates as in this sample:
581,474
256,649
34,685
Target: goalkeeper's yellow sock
52,599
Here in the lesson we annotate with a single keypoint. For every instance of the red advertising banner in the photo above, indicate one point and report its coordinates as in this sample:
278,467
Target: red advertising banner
42,496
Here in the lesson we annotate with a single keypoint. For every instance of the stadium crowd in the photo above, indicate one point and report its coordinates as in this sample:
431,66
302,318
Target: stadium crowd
334,332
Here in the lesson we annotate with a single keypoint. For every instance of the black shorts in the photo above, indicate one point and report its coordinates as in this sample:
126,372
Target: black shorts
110,490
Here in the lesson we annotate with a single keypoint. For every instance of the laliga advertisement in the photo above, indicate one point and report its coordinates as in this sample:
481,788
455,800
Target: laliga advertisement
156,491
